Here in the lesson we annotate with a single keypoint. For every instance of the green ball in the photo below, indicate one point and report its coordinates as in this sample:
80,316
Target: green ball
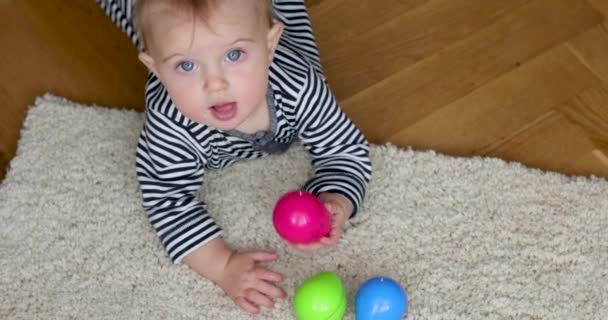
321,297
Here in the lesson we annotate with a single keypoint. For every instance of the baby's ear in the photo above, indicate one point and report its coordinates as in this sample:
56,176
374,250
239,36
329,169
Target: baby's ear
274,34
148,61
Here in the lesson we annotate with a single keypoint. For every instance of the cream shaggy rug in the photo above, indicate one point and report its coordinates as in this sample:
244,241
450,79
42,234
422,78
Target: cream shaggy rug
470,238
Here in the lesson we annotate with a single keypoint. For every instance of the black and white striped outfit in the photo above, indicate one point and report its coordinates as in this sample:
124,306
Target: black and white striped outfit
174,152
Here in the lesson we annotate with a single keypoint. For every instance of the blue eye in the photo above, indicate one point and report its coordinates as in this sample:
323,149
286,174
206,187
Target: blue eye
234,55
186,66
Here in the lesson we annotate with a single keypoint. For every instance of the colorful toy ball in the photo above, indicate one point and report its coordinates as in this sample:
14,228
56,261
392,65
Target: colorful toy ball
380,298
299,217
320,297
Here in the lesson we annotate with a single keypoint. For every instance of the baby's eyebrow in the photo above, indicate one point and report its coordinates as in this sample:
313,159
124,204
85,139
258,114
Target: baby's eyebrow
241,40
171,56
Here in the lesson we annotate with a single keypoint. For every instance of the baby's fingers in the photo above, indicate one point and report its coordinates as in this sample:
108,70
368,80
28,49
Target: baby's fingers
263,256
246,305
268,275
332,240
329,206
271,290
309,247
259,299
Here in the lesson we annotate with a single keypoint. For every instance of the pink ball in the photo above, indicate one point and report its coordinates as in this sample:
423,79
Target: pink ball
299,217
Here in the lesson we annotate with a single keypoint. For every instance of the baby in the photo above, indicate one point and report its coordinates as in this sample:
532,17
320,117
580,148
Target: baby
232,80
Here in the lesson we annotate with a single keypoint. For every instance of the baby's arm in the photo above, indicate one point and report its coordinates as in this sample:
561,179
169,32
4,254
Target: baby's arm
298,32
121,13
340,156
170,175
340,152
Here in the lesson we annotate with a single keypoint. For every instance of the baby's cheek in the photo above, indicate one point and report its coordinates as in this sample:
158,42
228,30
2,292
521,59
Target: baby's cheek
252,81
257,92
188,101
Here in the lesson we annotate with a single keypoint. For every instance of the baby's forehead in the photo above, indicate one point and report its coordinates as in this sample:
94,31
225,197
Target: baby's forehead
154,11
160,19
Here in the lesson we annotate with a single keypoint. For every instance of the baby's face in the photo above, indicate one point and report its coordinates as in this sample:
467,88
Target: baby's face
216,72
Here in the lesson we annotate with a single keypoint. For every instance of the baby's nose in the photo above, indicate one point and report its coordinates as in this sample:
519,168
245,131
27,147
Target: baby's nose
215,83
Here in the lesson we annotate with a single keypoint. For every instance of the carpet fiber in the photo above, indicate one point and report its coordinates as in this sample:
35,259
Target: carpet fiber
468,238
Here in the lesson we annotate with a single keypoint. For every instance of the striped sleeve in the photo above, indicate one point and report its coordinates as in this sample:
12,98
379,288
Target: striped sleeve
170,175
298,34
121,13
340,152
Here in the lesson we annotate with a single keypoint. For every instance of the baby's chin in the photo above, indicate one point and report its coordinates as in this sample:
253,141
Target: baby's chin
220,125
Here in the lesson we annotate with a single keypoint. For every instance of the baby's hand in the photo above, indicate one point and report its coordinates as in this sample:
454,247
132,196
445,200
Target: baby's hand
249,285
340,209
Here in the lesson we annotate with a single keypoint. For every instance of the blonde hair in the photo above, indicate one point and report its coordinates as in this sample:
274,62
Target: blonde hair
198,9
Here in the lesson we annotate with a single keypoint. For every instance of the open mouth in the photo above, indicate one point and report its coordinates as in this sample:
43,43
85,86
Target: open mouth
224,111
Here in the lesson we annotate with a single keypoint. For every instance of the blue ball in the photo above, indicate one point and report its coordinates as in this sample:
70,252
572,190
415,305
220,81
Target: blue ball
380,298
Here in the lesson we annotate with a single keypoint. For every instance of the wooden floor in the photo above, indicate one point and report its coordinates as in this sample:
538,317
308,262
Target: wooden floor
523,80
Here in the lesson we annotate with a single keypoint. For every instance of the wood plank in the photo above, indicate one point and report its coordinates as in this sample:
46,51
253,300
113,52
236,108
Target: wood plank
593,163
55,46
340,21
600,5
601,151
589,110
9,127
456,71
592,48
554,144
312,4
503,106
355,64
98,67
13,80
